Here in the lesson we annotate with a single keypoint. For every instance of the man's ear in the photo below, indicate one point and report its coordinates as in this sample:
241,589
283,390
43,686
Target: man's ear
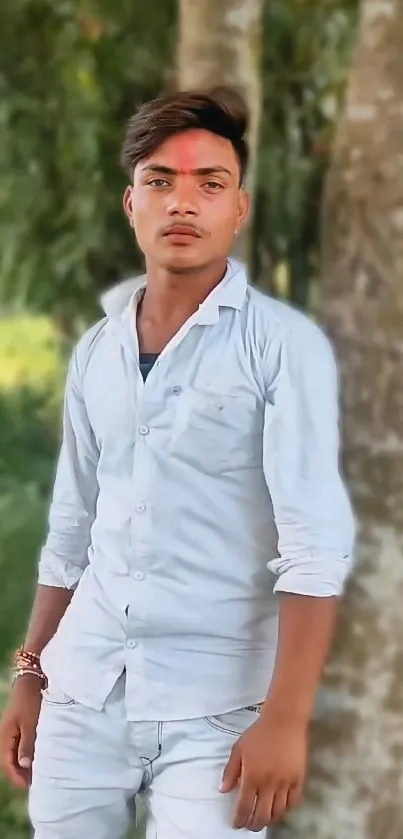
128,203
243,208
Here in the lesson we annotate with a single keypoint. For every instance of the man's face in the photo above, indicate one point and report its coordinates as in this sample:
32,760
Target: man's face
186,204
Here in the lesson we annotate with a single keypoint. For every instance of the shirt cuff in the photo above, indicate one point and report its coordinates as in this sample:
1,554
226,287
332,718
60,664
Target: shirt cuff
58,573
312,577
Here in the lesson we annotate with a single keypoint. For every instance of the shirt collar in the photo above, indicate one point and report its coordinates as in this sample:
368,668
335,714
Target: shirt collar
120,302
229,293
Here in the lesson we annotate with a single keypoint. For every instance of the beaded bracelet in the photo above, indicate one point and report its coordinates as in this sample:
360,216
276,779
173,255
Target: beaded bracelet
27,655
26,672
27,663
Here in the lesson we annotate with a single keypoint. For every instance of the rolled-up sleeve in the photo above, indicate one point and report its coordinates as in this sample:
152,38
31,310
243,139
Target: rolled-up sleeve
72,511
312,509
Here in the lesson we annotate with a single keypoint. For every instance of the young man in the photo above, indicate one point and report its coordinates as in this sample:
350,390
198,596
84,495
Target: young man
200,533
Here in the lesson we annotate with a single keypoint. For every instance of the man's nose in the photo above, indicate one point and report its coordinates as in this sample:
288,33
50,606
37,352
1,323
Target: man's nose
183,199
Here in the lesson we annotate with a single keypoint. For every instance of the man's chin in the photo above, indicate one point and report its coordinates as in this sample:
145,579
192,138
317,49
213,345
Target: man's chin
183,263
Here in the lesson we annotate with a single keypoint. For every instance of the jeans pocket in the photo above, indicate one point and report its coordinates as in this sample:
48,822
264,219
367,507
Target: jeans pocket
234,723
56,696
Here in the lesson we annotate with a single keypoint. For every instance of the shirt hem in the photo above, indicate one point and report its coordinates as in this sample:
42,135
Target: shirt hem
197,711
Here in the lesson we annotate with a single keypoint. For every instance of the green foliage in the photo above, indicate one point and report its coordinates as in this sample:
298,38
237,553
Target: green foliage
72,73
29,353
28,443
31,384
13,818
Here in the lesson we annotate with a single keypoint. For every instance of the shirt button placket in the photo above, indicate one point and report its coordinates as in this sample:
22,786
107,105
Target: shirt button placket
141,520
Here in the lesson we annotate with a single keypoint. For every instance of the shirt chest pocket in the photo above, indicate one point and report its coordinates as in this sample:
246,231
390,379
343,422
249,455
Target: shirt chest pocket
218,432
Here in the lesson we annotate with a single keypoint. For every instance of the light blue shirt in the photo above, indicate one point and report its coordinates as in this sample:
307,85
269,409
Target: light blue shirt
182,504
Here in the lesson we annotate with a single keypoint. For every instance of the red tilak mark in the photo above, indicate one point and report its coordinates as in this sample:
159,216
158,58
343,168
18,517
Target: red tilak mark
185,154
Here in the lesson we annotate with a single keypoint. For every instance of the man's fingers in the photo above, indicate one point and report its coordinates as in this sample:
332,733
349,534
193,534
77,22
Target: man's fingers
232,772
25,753
294,795
263,810
9,757
26,748
272,804
245,804
19,777
280,803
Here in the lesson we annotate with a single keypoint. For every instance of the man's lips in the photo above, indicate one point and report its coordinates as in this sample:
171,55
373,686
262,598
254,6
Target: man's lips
179,232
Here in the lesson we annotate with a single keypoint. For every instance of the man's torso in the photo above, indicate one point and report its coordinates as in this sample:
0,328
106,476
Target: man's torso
177,590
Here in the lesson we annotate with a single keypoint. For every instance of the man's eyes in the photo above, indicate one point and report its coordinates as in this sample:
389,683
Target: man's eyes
161,183
158,182
214,185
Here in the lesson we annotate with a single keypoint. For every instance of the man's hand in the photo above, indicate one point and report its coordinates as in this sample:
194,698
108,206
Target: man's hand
268,765
18,730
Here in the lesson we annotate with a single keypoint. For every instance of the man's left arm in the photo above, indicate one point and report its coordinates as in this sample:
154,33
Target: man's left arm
316,528
313,516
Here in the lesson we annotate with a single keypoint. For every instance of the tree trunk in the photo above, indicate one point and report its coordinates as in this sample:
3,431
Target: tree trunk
220,42
356,785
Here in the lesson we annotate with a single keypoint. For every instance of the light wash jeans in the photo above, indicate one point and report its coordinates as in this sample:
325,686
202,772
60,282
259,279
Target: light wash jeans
90,766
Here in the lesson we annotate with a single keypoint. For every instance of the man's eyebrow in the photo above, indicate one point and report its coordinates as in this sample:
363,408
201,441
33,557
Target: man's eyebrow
167,170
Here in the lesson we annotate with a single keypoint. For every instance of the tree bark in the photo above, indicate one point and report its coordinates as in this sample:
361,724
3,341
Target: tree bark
220,42
356,784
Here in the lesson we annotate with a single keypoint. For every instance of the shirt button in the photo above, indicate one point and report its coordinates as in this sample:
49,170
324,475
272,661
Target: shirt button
139,575
144,429
131,644
140,508
176,390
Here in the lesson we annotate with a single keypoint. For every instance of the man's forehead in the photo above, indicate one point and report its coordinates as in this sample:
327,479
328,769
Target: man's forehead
185,150
191,150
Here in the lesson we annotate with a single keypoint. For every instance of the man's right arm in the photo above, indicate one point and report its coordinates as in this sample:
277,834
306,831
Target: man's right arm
72,512
62,562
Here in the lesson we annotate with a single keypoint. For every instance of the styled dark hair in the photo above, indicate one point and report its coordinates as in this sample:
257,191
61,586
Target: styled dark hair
220,110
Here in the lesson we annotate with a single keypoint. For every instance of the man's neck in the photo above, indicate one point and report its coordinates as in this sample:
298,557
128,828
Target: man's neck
171,294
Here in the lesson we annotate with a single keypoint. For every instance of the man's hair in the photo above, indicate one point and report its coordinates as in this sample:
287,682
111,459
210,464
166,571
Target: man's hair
220,110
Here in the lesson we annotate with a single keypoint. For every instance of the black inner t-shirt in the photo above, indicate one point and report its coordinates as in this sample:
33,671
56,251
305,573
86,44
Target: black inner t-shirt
147,361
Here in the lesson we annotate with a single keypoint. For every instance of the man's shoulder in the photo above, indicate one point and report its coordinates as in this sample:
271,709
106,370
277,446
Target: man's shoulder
88,343
283,320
